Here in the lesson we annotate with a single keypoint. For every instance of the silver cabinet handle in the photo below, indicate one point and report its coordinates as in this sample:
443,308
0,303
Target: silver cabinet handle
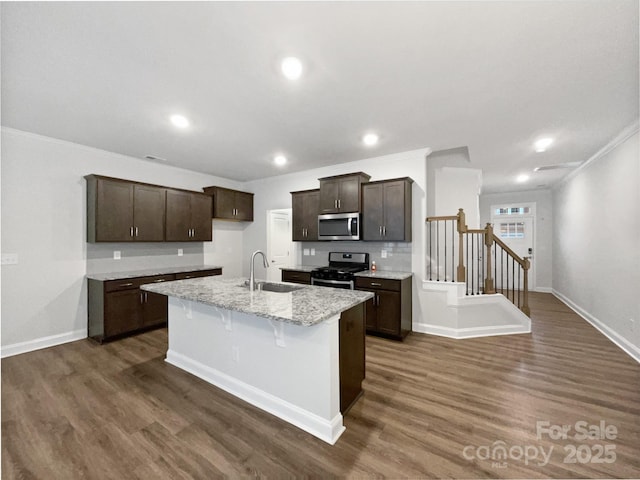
136,232
380,230
126,284
141,298
131,231
384,231
339,203
159,280
375,284
146,297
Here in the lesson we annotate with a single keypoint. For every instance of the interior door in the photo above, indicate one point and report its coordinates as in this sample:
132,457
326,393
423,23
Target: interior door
278,243
518,233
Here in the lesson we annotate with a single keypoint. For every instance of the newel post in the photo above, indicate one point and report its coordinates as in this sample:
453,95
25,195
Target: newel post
525,302
461,274
488,241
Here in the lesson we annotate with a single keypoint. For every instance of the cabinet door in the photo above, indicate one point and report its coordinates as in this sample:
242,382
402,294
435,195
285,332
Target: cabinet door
310,213
370,315
394,212
297,217
178,216
154,309
349,196
329,192
114,211
372,211
201,214
122,312
244,206
388,312
352,356
224,204
148,213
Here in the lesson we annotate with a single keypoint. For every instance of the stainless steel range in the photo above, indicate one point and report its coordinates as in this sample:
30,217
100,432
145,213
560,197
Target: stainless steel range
340,273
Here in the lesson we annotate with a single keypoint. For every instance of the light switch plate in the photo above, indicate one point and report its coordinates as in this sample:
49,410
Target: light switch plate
305,252
313,252
383,254
116,255
9,259
180,252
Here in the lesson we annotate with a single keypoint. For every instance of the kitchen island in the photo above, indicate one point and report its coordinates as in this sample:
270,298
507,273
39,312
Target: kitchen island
298,355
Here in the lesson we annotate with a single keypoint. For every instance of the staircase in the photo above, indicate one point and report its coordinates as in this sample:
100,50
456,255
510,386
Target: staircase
475,285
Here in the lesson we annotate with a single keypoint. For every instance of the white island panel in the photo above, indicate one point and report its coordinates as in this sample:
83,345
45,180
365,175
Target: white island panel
289,370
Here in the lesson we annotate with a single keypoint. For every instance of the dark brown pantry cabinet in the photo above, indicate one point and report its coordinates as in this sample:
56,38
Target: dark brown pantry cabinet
341,193
188,216
123,211
231,204
117,308
305,208
389,313
386,210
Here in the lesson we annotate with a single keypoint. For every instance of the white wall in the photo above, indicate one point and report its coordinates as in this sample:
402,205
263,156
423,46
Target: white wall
596,238
544,227
44,222
457,188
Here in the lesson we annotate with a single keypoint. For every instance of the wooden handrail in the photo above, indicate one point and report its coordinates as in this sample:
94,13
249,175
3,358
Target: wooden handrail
435,219
524,263
476,230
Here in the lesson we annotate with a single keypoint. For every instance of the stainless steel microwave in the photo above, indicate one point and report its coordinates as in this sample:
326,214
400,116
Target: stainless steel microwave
339,226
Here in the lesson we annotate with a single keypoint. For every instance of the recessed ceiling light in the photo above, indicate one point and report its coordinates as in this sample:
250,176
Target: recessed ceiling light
180,121
280,160
370,139
542,144
522,178
291,68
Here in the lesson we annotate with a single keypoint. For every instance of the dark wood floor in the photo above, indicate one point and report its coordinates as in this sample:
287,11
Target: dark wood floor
118,411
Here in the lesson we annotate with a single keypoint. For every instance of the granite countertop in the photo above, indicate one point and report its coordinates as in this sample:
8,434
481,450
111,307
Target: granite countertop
385,274
306,306
149,272
300,268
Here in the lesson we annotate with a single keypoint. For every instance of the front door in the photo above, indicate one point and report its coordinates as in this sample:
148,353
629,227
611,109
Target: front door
515,226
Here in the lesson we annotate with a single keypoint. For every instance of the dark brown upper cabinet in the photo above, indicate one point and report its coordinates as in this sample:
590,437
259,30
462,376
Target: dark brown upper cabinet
341,193
188,216
123,211
231,204
305,208
386,210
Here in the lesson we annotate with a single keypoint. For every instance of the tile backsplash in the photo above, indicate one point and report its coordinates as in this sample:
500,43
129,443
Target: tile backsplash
398,254
141,256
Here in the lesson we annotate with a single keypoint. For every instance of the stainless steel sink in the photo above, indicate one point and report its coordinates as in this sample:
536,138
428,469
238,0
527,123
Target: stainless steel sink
275,287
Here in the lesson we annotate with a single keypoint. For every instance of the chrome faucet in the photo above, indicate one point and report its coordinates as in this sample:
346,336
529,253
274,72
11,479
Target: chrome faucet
252,277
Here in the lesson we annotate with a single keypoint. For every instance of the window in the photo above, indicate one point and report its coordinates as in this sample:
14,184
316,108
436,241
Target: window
512,211
512,230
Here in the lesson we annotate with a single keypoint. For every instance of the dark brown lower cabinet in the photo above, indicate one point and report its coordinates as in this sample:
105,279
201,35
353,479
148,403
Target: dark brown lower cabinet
389,312
352,356
118,308
296,276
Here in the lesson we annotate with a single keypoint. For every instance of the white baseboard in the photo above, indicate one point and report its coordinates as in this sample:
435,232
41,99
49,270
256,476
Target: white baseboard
40,343
543,289
326,430
615,337
474,332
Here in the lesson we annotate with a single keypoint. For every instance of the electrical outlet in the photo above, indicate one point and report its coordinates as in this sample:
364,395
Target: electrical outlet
313,252
9,259
116,255
180,252
235,354
383,254
305,252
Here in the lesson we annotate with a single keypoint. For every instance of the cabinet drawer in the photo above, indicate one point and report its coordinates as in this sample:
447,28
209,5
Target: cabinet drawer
198,274
378,284
296,277
133,283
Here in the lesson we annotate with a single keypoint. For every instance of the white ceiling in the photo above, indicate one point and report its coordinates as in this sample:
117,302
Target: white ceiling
490,76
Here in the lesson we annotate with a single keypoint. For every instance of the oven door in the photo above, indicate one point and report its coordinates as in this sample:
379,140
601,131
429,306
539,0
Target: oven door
320,282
